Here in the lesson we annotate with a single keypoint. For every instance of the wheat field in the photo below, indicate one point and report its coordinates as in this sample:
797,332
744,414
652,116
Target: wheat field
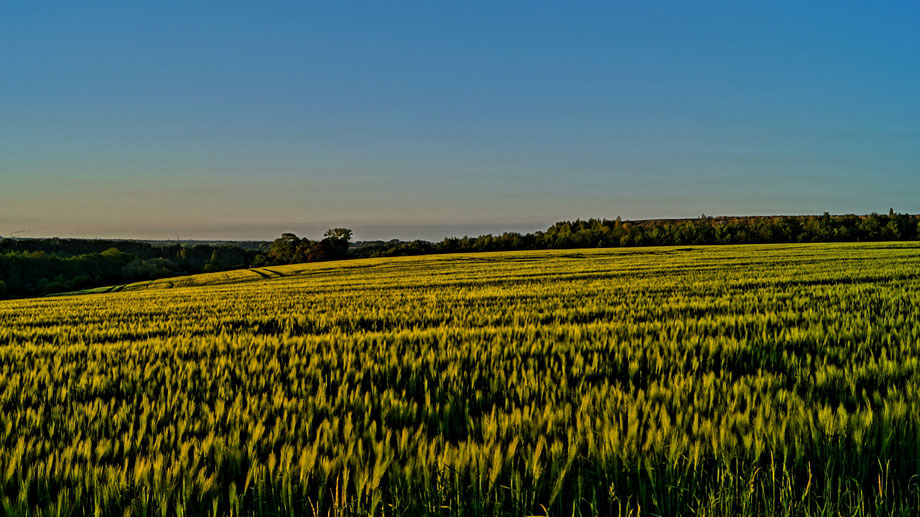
724,380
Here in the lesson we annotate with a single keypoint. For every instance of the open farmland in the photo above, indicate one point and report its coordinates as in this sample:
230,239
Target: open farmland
781,379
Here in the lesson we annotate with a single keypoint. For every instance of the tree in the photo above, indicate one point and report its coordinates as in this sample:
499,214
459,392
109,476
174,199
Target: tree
335,243
213,263
338,234
283,249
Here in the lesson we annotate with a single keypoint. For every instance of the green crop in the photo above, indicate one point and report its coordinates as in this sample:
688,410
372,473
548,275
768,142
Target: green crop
737,380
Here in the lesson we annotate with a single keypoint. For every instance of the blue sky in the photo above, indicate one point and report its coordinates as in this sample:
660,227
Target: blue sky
425,119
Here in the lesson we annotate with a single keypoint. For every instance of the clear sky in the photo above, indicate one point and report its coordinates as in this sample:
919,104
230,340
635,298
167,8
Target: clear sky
425,119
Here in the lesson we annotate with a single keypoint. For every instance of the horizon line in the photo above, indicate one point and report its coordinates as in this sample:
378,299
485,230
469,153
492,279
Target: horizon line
396,228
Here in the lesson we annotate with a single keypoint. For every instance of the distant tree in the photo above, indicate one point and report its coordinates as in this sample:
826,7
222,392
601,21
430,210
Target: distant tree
871,227
213,263
304,251
335,243
338,234
891,231
449,244
283,249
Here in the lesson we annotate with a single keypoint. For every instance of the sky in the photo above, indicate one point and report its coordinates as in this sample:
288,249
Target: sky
243,120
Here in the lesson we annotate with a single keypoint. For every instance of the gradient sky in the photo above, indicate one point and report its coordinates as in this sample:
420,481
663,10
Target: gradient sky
424,119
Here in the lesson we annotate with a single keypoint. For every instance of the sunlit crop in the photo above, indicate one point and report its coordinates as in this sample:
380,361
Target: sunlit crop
776,380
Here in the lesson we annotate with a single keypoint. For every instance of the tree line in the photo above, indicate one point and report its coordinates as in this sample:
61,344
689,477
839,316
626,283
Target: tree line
607,233
30,267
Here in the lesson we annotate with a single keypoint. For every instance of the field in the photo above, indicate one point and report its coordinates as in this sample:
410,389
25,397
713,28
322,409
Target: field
729,380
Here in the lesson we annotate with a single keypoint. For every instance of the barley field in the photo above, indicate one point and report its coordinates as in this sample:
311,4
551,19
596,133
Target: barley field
723,380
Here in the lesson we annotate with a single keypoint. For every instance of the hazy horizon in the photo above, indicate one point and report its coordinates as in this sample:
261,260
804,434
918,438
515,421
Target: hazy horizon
422,120
312,230
362,231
